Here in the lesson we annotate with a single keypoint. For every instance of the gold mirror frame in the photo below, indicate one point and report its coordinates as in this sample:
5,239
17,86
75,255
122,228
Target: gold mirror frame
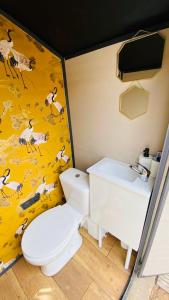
133,102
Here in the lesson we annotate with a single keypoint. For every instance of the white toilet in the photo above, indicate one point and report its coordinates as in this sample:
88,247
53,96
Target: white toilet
53,237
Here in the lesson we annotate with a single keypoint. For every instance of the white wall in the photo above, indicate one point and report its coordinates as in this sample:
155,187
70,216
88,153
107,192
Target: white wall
98,128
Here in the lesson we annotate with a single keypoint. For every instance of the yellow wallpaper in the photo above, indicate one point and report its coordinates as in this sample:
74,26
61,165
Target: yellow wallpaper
34,135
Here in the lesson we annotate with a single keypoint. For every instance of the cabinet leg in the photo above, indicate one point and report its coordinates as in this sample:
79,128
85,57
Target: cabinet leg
100,237
128,257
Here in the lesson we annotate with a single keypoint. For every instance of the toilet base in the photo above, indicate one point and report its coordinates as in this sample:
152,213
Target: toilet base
61,260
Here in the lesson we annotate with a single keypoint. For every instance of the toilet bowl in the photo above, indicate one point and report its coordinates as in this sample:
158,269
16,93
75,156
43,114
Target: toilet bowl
53,237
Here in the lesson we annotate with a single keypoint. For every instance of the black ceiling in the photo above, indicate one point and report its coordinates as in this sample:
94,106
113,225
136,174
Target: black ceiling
75,27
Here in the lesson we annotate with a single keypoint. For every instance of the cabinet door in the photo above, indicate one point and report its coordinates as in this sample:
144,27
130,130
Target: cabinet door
116,211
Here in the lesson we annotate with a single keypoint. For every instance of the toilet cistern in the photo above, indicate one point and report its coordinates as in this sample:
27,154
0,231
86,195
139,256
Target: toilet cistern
143,172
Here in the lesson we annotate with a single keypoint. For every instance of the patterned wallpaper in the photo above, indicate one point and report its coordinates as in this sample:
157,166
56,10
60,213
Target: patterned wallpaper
34,135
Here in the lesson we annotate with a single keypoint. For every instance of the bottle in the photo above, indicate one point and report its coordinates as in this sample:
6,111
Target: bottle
145,158
155,164
158,156
146,152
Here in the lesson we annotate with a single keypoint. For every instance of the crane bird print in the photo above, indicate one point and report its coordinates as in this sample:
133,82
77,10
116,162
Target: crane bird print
13,60
43,189
25,137
3,178
62,156
50,100
5,266
32,139
13,185
48,189
38,138
5,49
21,228
22,63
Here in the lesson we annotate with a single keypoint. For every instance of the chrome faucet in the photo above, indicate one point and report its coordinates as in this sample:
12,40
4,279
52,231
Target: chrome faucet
143,172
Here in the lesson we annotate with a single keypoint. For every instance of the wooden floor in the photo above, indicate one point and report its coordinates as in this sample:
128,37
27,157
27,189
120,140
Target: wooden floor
92,274
159,294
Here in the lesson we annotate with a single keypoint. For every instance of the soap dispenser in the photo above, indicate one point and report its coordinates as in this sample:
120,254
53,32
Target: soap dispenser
145,158
155,164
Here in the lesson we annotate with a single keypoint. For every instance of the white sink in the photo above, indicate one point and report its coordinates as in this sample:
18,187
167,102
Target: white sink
118,202
121,174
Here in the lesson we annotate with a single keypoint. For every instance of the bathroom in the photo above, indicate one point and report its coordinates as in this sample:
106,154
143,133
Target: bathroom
95,127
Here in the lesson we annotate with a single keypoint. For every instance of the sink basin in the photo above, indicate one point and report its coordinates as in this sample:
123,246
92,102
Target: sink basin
120,173
116,169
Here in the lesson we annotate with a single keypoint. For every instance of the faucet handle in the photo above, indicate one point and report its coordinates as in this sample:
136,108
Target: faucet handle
145,169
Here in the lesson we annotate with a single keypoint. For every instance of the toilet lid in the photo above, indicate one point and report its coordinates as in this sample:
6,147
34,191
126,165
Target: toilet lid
50,231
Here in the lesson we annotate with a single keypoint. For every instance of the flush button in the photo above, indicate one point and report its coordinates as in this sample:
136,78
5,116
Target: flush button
77,175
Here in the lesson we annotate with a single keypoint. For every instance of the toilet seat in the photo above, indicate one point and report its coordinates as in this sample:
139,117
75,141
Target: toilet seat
49,233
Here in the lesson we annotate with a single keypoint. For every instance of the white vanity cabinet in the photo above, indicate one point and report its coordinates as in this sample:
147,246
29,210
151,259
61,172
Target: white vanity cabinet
119,201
